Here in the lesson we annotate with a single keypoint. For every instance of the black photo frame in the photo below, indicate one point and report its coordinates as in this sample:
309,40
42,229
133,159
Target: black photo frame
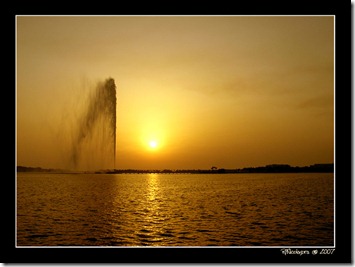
343,156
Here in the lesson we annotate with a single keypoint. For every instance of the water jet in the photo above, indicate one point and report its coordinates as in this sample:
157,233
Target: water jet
94,139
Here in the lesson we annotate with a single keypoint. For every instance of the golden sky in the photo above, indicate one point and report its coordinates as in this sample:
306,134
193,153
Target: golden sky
225,91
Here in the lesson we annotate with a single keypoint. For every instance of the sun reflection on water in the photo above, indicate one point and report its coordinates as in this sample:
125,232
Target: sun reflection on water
152,227
153,186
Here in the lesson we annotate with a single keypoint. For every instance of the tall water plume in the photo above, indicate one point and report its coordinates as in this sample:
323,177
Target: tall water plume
94,136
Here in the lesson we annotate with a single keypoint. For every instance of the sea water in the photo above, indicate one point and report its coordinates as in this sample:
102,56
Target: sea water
178,210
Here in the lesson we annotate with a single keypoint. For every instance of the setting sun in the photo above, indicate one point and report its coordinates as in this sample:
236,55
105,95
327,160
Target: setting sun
153,144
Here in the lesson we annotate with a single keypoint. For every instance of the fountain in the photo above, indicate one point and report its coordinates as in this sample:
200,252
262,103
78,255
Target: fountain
94,138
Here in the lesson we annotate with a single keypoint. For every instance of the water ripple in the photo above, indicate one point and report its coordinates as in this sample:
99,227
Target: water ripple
175,210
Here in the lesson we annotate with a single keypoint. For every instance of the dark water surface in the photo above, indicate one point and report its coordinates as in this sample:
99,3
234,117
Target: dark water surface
175,209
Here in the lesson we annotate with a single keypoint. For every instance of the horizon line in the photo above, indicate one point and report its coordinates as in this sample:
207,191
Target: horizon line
162,170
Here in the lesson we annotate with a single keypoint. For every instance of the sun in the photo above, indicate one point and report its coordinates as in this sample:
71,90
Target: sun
153,144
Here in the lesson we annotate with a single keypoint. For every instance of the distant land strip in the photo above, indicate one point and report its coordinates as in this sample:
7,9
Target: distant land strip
273,168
